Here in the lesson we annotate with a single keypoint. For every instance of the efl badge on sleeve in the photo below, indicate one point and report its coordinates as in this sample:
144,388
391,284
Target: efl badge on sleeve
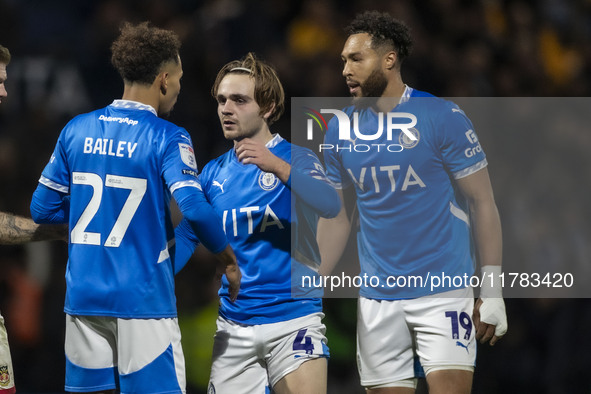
187,155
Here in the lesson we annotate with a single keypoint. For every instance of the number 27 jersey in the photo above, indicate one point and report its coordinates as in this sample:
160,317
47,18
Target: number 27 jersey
120,165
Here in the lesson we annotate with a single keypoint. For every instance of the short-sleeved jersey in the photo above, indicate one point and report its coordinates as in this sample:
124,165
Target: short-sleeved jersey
256,211
413,221
120,165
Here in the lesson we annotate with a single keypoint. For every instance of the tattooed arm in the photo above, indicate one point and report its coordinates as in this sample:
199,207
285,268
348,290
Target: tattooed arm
17,230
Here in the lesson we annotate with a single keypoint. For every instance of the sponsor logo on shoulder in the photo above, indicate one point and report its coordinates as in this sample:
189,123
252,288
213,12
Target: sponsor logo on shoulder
190,172
471,136
473,139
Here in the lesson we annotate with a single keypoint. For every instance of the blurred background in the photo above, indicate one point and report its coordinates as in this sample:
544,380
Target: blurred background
489,48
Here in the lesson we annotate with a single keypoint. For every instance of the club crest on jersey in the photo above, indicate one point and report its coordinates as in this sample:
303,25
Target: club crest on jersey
268,181
406,142
4,376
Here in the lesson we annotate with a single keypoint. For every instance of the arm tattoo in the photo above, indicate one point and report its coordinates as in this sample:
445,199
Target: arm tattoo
17,230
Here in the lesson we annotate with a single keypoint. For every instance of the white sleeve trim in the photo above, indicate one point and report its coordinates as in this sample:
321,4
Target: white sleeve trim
52,185
178,185
470,170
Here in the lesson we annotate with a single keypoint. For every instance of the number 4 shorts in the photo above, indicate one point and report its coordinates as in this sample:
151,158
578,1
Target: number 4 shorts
253,358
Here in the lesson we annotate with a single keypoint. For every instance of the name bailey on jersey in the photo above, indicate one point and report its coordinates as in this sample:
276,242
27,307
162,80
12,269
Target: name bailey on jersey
109,147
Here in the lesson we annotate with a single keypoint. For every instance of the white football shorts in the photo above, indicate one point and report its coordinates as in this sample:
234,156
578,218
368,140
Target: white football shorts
135,355
6,372
436,328
253,358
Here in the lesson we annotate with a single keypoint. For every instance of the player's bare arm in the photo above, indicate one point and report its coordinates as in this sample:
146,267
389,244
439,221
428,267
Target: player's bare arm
332,238
490,322
17,230
250,151
229,266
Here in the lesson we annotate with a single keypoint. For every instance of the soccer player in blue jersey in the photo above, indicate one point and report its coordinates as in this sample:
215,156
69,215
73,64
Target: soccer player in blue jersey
419,204
259,188
16,230
111,177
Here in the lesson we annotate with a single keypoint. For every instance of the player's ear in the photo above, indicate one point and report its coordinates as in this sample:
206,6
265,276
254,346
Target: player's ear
390,60
268,114
163,81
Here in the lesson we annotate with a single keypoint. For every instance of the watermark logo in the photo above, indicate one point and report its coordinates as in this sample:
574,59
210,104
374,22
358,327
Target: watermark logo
354,130
318,118
344,123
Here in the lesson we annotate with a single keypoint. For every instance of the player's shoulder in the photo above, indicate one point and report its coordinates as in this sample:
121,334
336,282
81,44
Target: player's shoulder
145,116
412,92
86,121
301,152
166,126
280,147
86,116
215,165
288,151
433,103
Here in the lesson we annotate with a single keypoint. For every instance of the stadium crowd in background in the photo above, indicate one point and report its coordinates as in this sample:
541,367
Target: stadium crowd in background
494,48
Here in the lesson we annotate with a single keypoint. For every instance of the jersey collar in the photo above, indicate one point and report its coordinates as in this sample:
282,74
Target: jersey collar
274,141
406,95
128,104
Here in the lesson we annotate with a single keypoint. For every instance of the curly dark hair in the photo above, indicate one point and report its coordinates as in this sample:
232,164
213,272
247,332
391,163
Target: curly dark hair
385,31
4,55
141,50
268,90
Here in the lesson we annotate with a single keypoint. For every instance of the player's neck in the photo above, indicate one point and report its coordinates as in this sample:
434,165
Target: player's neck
142,94
263,136
392,94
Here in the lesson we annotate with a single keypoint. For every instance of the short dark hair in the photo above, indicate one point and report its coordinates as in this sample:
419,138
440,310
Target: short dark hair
4,55
140,51
267,86
385,31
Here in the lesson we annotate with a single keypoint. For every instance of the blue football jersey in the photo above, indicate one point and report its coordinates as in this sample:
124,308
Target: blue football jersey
120,165
413,222
257,212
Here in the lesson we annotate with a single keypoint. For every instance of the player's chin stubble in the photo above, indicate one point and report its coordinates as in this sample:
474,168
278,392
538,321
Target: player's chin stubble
375,84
